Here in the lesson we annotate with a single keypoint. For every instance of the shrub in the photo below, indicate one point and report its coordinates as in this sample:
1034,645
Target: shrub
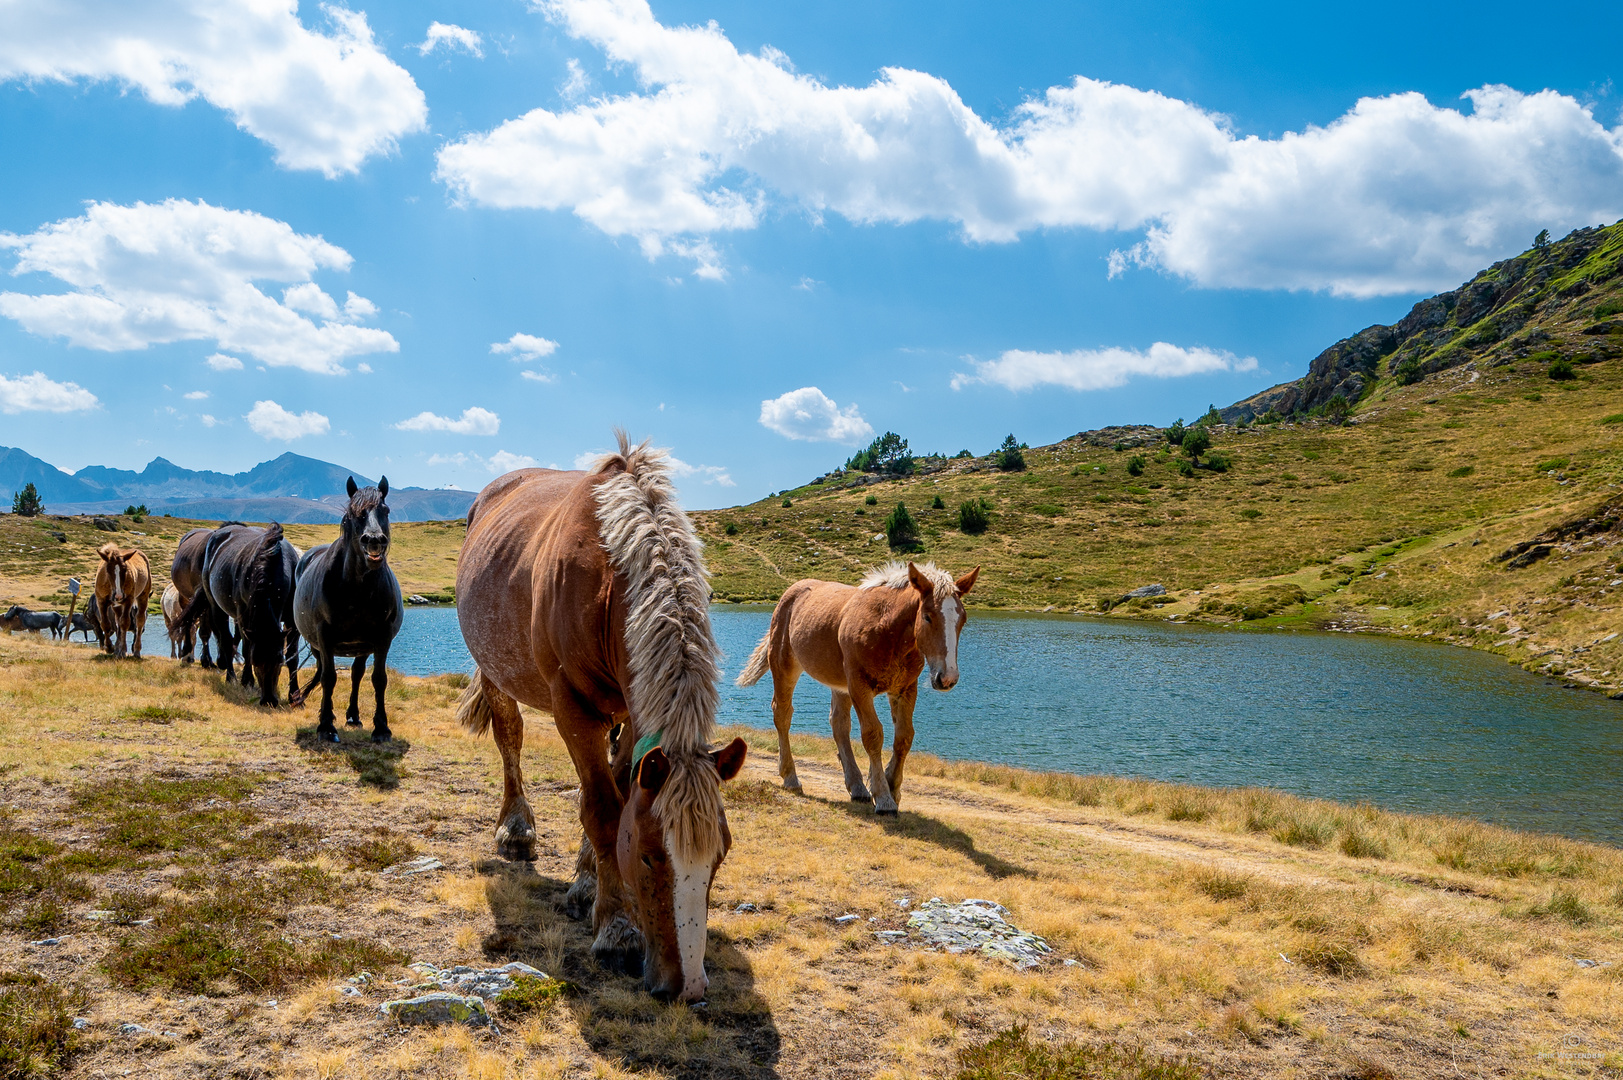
1408,372
787,503
901,530
1218,462
962,454
1185,468
1337,408
1135,465
871,500
974,517
886,454
1212,417
26,503
1562,370
731,529
1008,456
1196,441
1174,434
936,503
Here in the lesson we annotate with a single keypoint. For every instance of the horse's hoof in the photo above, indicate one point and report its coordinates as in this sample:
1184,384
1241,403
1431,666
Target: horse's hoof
791,783
619,947
516,840
881,812
352,721
862,797
328,735
581,896
380,736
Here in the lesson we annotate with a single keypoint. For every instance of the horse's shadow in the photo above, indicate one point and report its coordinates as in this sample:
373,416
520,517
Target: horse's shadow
732,1035
377,764
932,830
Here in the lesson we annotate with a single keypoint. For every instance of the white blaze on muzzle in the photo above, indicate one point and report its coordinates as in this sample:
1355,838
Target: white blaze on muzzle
690,882
949,631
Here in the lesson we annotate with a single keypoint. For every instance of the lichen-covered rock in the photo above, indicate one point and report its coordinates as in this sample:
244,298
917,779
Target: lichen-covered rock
484,983
976,926
436,1008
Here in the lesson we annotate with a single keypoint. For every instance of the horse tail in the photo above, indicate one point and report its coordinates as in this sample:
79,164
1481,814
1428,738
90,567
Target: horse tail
265,584
473,711
759,661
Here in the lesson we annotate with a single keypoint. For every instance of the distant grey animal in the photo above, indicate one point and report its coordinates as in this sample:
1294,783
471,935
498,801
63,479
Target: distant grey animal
18,617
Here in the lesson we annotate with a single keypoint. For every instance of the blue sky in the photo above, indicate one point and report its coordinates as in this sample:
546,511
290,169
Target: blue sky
758,234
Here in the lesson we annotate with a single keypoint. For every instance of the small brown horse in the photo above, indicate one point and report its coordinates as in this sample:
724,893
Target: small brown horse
123,587
874,638
585,594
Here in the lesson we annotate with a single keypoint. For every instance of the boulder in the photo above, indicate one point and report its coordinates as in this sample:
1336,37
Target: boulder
1146,590
437,1008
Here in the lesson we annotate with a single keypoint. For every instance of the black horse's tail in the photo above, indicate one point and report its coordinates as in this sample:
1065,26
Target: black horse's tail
267,587
194,614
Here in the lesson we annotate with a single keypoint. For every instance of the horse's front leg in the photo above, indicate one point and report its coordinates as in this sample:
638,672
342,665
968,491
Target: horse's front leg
901,720
325,731
352,715
839,719
783,713
268,672
873,741
380,685
290,657
618,944
140,626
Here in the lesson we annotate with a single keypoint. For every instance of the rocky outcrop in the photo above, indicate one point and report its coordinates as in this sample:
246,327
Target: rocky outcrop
1514,308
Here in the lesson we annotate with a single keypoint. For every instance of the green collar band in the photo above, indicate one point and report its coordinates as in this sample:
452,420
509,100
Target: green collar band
644,744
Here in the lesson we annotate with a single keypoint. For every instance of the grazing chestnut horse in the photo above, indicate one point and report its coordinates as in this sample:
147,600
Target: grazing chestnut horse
585,594
859,642
123,587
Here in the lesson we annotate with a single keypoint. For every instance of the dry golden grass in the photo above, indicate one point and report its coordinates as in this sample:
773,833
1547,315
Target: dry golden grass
1254,933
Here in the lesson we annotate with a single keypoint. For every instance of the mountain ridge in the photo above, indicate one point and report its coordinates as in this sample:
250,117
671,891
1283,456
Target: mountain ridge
288,488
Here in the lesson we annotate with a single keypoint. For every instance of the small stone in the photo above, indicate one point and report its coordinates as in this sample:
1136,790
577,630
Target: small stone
903,902
349,991
134,1029
423,864
414,598
892,937
1585,963
80,1023
745,909
848,918
47,941
437,1008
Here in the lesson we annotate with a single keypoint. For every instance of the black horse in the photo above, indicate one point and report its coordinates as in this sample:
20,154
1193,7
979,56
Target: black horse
248,580
18,617
87,622
186,571
347,603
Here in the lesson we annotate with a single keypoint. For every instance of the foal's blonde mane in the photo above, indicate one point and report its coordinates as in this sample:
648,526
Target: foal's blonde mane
893,575
669,644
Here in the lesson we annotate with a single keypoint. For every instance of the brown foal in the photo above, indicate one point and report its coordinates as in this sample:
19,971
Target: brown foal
874,638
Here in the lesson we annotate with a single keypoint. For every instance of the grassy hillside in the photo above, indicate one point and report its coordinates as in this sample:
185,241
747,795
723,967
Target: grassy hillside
35,563
1393,520
203,874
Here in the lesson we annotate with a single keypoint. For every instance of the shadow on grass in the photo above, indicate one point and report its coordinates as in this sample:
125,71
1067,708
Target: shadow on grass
933,831
733,1035
378,764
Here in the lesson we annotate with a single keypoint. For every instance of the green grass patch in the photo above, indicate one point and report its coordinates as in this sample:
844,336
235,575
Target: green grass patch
1614,418
380,850
1012,1054
1048,509
533,994
37,1037
1251,513
1463,470
165,813
1551,464
159,714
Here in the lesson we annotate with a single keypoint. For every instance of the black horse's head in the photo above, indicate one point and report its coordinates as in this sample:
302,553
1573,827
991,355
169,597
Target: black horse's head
366,522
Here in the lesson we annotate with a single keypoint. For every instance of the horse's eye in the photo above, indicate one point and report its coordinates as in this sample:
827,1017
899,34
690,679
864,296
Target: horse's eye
646,861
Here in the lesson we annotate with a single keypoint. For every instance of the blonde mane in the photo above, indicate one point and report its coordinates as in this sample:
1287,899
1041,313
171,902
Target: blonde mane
893,575
669,644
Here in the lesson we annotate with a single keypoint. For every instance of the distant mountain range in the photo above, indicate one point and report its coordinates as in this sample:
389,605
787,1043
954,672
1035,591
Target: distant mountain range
289,488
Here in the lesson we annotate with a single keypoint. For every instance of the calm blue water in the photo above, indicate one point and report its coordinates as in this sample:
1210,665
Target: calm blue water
1401,724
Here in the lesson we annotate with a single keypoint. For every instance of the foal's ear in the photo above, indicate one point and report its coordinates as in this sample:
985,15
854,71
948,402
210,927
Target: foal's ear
967,582
918,580
654,770
383,487
351,488
730,758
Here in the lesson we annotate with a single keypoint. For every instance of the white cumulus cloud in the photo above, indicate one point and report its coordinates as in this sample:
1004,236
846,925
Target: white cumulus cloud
37,393
150,274
324,101
274,422
539,376
452,37
524,347
474,421
505,461
1397,195
196,395
708,474
1098,369
810,414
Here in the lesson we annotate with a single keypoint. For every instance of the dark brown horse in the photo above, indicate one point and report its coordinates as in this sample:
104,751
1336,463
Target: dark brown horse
186,574
584,594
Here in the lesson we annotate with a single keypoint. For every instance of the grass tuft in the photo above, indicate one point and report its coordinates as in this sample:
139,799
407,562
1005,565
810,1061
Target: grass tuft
37,1037
1012,1054
532,994
379,851
159,714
